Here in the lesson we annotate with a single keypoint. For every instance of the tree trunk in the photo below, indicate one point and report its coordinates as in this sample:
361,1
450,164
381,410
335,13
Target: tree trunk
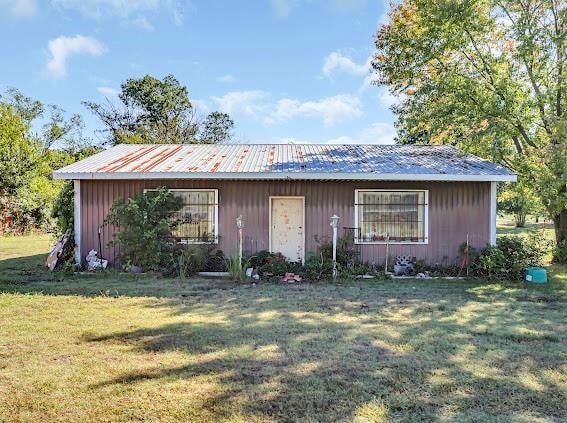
520,220
560,224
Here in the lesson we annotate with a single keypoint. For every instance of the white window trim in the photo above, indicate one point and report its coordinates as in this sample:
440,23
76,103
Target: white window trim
216,191
425,218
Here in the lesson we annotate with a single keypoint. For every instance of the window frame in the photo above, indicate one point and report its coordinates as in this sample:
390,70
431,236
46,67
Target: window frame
216,209
425,241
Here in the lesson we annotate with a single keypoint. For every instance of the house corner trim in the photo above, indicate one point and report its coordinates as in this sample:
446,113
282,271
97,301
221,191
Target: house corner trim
77,219
493,213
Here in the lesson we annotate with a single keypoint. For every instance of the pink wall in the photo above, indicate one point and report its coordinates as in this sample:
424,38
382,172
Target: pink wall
455,210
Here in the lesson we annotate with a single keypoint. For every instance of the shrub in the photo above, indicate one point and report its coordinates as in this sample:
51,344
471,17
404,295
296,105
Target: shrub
510,256
275,266
63,209
216,262
317,268
191,259
144,228
346,254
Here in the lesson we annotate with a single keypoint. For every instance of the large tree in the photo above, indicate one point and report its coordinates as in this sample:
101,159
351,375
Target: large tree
158,112
28,157
487,76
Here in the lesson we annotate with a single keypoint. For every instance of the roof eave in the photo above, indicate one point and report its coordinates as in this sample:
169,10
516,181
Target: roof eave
337,176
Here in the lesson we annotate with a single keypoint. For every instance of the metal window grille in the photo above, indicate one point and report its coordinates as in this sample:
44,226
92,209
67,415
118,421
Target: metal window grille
196,221
391,215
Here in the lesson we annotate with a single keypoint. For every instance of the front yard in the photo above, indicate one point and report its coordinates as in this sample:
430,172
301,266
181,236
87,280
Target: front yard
117,347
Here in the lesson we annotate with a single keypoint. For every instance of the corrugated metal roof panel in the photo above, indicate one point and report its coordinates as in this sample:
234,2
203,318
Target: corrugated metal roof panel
255,161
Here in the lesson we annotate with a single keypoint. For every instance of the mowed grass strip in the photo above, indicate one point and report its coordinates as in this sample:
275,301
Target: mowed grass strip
217,351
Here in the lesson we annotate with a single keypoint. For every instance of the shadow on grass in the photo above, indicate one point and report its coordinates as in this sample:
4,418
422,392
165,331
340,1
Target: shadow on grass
332,353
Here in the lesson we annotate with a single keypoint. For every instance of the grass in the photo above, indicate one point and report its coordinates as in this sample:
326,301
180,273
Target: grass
113,347
507,226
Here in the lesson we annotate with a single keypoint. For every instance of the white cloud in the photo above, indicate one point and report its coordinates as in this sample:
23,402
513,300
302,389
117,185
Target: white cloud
201,106
122,8
259,104
20,8
246,102
62,47
337,62
330,109
387,99
225,78
140,22
282,8
377,133
108,92
178,17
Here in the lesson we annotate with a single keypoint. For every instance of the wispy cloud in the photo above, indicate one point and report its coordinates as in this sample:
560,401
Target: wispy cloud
261,105
282,8
337,62
97,8
330,110
225,78
377,133
388,99
140,22
62,47
243,102
108,92
19,8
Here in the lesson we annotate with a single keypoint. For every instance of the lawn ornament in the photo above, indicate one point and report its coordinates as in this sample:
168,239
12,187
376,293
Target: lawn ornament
94,262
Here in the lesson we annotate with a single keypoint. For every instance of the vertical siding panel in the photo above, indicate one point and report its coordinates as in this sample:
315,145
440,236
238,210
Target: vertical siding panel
455,209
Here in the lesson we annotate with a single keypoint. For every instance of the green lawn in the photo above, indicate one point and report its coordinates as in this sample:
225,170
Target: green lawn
119,348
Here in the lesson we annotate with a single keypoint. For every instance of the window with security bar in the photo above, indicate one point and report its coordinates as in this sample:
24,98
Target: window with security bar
197,221
391,216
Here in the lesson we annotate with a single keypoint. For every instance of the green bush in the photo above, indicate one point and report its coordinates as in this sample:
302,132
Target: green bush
191,259
144,228
317,268
216,262
510,256
346,254
275,267
63,209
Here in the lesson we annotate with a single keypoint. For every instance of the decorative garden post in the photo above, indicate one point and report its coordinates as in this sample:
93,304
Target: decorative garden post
240,224
335,226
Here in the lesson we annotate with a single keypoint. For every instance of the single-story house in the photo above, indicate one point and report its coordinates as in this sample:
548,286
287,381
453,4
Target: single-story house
420,201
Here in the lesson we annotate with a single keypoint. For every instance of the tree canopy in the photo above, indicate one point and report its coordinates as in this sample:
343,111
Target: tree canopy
487,76
27,190
158,112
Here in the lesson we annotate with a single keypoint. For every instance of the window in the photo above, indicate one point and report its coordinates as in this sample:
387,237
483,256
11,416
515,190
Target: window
197,221
400,216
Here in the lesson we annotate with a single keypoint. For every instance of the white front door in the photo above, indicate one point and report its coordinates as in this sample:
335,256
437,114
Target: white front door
286,227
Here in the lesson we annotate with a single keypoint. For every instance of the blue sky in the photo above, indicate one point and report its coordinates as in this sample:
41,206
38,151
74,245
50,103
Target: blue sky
285,70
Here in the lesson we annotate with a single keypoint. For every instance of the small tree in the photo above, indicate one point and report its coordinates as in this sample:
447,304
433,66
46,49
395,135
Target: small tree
144,228
519,200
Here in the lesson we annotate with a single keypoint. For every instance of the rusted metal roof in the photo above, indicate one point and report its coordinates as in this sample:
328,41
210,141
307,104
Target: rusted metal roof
285,161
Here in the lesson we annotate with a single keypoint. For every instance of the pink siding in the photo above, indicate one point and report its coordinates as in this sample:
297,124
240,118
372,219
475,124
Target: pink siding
455,210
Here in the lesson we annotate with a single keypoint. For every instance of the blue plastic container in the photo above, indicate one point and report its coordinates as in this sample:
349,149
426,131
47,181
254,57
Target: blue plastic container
535,275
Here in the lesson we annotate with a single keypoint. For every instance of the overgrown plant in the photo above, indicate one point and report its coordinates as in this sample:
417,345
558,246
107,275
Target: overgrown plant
235,268
190,260
144,228
511,255
317,268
